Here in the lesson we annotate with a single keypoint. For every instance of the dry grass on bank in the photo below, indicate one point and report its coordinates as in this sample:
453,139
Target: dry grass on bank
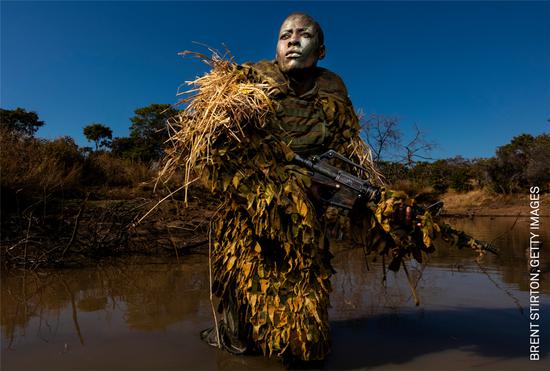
35,168
482,202
31,165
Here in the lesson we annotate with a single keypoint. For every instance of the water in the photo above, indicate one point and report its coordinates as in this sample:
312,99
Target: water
146,314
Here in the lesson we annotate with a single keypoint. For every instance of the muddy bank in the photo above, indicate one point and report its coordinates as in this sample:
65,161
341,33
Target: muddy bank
484,203
63,233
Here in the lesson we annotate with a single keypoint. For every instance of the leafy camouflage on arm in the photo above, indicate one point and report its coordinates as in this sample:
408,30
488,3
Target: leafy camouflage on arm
391,238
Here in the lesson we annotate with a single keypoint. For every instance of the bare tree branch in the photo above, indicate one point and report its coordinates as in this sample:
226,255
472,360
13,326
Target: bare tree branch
417,147
383,135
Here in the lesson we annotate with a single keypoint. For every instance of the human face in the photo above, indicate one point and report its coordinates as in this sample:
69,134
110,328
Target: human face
298,46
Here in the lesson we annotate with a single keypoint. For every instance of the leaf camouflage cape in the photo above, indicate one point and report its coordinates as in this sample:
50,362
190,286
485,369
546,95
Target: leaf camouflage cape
270,257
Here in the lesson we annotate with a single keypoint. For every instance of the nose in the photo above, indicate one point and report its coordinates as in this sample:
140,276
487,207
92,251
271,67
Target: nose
294,39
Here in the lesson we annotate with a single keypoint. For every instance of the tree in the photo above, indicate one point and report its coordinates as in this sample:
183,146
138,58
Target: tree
124,147
149,132
382,135
538,167
386,141
416,148
522,162
20,121
100,134
511,160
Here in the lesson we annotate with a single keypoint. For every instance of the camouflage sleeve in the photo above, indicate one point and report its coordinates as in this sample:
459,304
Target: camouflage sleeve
344,130
343,124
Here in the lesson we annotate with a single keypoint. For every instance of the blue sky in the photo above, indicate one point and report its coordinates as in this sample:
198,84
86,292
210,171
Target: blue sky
471,75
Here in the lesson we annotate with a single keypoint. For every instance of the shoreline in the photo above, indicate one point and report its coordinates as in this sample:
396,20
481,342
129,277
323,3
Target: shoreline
75,232
483,203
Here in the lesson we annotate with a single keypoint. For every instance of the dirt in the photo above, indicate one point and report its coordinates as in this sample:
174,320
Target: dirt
79,232
485,203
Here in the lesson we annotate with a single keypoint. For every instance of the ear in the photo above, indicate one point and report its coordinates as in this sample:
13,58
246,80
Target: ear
322,52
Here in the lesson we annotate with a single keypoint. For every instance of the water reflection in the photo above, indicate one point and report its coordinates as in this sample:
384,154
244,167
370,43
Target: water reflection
140,313
151,296
511,236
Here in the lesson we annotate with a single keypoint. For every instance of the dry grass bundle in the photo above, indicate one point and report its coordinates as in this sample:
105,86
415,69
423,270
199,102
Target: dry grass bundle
362,151
219,104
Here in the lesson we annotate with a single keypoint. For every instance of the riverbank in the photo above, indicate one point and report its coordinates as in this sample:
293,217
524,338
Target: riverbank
62,233
59,232
485,203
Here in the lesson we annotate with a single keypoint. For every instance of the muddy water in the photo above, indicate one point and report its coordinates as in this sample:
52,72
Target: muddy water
146,314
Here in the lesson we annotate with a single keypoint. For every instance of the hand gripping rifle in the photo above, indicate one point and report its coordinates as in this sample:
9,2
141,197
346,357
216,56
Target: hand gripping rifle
339,188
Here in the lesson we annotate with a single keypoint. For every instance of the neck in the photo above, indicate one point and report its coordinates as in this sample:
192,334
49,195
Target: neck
301,81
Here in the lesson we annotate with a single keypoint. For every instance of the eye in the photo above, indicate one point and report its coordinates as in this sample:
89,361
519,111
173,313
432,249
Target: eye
307,35
284,36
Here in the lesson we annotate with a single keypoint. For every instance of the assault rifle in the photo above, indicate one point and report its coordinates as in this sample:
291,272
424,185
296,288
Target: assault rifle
341,189
338,187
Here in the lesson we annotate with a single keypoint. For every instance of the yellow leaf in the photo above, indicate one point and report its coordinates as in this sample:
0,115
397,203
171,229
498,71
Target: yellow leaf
264,284
312,309
237,179
426,239
225,182
302,208
231,262
271,313
269,194
287,248
283,320
250,199
246,269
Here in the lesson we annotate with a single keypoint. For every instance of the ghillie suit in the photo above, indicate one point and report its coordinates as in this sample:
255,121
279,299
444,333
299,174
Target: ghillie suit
270,256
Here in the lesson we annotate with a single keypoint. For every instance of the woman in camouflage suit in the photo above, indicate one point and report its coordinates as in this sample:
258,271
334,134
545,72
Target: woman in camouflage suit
271,261
270,258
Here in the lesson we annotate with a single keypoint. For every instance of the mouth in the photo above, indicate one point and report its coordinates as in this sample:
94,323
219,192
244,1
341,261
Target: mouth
293,54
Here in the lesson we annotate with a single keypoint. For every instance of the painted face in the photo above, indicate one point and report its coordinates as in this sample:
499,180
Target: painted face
298,46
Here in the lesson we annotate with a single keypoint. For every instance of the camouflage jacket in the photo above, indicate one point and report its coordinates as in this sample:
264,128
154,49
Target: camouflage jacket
321,119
